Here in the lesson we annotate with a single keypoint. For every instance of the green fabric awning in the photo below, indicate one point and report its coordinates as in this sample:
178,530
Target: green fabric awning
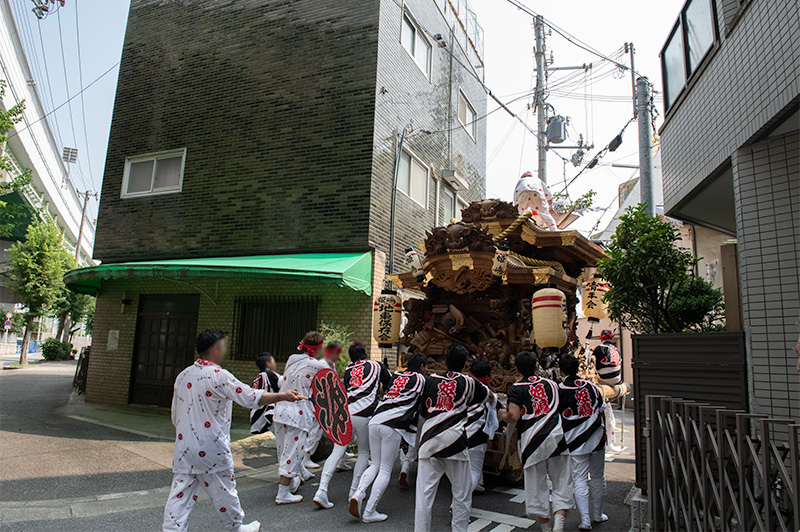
353,270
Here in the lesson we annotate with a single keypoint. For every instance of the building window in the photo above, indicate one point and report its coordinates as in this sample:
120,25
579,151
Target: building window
159,173
466,115
412,179
416,44
688,44
271,324
449,201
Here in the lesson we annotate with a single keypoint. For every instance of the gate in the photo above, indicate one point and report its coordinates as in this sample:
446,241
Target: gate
711,468
165,333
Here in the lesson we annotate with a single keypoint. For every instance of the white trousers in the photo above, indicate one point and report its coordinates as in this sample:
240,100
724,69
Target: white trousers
590,479
538,495
384,444
429,473
361,432
291,444
476,456
221,489
312,442
407,458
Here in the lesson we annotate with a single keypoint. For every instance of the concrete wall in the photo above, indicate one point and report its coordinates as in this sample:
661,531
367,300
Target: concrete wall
767,188
748,86
749,77
274,103
109,375
406,97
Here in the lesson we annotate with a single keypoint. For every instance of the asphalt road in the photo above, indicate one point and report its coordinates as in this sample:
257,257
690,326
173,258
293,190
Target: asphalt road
62,474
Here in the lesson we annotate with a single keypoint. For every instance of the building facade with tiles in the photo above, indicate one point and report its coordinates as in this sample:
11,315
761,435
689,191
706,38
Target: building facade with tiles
263,128
731,162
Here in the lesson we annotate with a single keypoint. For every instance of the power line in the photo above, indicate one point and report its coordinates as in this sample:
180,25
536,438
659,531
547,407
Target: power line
20,130
69,107
569,37
49,85
83,107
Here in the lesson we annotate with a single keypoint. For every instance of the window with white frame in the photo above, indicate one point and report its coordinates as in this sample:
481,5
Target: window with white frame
416,44
466,114
412,179
449,202
158,173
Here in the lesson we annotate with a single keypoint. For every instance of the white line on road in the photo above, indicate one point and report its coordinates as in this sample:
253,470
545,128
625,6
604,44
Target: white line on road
512,520
478,525
502,528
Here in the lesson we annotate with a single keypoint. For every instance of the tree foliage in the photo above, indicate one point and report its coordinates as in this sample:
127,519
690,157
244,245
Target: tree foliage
11,214
342,333
36,273
653,285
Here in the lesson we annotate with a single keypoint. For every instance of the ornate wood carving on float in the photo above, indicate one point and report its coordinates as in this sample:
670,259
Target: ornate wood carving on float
466,301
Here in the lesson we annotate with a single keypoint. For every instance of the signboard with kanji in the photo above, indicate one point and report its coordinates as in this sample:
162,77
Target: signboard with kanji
330,406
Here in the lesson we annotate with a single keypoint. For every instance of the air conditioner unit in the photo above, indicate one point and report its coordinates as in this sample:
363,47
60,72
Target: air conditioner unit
455,180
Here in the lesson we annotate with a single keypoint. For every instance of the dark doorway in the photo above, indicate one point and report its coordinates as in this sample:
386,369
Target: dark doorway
165,332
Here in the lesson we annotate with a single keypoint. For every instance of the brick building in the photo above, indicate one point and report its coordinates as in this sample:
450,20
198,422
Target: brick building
251,166
731,162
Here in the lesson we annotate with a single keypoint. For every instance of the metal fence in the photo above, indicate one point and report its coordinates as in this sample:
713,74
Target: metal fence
715,469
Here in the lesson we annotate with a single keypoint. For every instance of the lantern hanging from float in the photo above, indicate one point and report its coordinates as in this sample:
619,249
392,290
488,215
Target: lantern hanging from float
549,315
415,264
594,308
500,261
388,313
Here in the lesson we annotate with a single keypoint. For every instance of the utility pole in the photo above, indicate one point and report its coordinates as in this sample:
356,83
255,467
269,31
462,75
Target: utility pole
629,50
541,87
86,195
645,145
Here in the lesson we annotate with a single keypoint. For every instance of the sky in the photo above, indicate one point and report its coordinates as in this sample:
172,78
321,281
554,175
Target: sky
509,74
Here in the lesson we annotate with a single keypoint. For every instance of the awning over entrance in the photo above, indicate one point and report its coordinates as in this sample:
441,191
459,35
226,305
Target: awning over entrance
353,270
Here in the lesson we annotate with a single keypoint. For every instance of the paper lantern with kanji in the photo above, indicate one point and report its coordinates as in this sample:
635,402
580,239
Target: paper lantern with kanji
387,318
415,264
500,262
594,307
549,314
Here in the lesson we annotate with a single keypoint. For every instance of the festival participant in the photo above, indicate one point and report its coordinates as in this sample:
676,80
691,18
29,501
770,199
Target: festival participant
293,422
202,402
533,406
394,420
408,455
481,423
332,353
580,405
607,361
443,442
362,378
267,380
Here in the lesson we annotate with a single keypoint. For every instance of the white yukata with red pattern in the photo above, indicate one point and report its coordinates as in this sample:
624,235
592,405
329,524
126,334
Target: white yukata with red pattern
294,422
202,402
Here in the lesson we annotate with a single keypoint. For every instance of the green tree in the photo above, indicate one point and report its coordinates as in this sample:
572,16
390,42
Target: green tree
36,274
654,288
11,214
342,333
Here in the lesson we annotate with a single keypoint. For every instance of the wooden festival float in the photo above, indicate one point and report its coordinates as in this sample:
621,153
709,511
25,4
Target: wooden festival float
478,284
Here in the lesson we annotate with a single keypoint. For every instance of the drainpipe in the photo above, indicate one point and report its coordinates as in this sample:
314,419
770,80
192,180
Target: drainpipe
397,155
436,209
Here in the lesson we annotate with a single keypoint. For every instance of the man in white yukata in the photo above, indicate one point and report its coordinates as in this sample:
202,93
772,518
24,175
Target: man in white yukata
292,423
443,441
202,402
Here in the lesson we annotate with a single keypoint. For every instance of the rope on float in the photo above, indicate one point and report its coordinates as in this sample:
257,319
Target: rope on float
516,223
536,262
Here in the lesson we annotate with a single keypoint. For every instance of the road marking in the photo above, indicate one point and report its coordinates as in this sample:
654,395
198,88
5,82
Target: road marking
520,522
518,494
502,528
478,525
